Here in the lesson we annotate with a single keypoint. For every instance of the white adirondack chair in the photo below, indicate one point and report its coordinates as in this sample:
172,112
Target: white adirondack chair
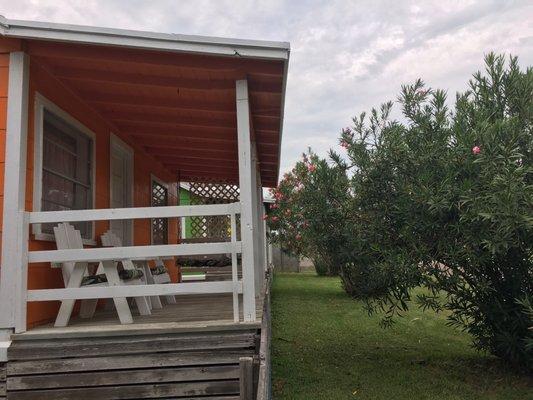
110,239
67,237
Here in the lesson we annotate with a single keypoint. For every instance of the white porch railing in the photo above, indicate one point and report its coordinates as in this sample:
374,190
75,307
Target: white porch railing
139,252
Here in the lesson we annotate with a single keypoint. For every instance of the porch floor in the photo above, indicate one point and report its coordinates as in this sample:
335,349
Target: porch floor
191,313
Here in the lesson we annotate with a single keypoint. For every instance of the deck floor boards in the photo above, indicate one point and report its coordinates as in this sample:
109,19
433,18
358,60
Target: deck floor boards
190,313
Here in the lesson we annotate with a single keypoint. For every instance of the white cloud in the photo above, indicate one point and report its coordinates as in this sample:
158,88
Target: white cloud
346,56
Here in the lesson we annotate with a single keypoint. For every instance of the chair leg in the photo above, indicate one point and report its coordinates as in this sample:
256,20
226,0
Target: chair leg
121,304
65,310
143,305
171,299
154,300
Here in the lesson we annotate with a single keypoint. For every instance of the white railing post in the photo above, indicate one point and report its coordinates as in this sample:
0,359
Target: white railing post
14,269
247,188
234,270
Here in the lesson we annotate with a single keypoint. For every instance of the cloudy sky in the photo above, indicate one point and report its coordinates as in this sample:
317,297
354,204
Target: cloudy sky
346,56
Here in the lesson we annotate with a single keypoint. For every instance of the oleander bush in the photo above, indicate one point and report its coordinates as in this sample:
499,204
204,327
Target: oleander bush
441,198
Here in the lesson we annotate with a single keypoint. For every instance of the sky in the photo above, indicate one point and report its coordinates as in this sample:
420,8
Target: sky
346,56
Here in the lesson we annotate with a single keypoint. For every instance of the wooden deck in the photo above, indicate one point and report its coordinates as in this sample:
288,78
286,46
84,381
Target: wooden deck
191,349
191,313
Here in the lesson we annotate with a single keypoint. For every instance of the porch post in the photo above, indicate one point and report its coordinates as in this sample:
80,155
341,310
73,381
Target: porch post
260,267
14,269
247,189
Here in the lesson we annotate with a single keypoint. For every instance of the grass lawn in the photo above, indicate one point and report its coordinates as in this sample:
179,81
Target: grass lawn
325,346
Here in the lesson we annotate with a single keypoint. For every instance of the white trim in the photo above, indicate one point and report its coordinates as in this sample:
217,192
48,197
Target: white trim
145,40
40,104
14,269
102,214
89,292
115,143
132,252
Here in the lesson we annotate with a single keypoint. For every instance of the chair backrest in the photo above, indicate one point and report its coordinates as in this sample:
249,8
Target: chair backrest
67,237
111,239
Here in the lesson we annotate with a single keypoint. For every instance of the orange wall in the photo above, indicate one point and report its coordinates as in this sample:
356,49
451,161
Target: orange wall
42,275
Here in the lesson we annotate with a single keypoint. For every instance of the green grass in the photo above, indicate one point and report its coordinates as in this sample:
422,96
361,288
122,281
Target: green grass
325,346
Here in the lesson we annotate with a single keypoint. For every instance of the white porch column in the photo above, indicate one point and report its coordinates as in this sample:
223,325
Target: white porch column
14,270
260,267
247,190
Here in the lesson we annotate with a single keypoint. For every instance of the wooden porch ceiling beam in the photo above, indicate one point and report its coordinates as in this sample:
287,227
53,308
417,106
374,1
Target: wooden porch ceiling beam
202,154
136,79
159,148
201,139
154,126
129,117
147,58
196,134
147,104
177,157
201,145
119,117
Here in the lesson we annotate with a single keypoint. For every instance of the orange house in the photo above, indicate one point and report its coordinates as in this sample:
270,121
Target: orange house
98,126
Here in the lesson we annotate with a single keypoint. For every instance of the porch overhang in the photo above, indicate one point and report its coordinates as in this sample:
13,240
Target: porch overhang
173,95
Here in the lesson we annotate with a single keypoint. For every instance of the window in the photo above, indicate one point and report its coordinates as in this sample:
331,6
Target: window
64,165
159,225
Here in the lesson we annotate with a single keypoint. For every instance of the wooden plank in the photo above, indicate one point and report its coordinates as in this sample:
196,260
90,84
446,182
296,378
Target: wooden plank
246,378
131,291
115,378
157,344
138,79
109,214
170,359
162,390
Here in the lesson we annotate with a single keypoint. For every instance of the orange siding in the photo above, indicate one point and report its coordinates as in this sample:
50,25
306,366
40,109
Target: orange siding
41,275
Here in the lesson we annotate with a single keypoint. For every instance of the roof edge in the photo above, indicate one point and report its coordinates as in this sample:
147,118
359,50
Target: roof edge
141,39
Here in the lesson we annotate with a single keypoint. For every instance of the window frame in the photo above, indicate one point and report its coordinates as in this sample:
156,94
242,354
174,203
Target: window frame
153,179
41,104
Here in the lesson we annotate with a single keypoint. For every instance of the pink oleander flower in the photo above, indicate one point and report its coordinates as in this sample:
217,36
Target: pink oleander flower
298,237
344,144
274,219
311,167
476,150
265,217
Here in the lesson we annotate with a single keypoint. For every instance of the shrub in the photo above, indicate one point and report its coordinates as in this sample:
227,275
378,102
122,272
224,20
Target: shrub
445,199
308,212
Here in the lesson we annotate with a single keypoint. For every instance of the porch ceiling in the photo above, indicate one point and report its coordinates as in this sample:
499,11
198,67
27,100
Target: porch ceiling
180,107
